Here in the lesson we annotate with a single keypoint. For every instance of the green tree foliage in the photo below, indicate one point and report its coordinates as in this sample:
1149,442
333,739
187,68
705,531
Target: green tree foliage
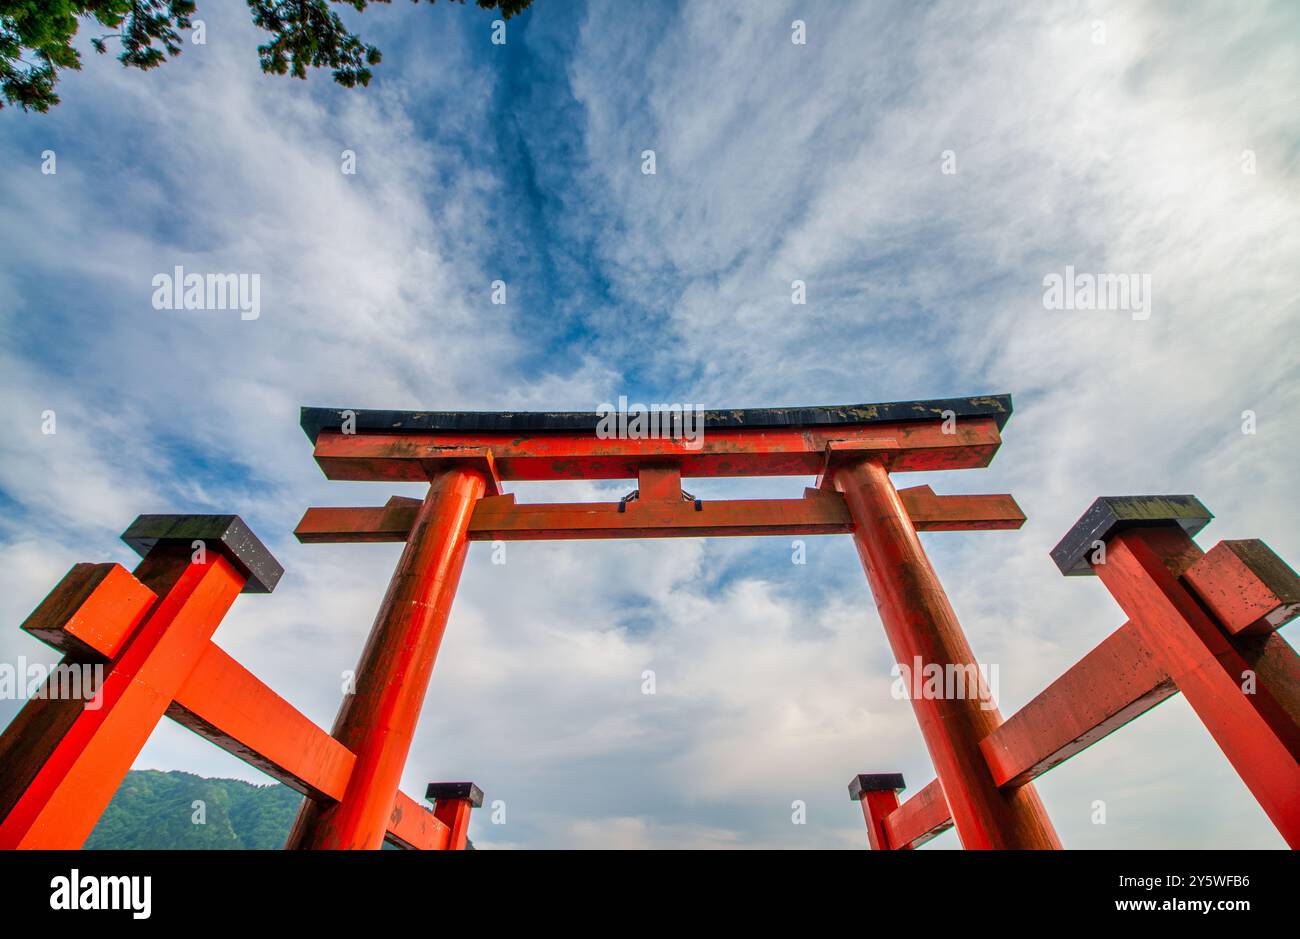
36,39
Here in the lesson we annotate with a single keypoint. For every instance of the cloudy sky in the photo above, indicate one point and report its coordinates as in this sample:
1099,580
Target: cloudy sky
1109,137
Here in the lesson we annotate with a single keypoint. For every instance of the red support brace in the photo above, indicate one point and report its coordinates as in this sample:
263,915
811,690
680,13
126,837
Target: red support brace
75,777
1249,711
922,817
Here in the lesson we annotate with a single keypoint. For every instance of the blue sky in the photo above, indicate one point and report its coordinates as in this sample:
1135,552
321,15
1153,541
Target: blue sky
775,162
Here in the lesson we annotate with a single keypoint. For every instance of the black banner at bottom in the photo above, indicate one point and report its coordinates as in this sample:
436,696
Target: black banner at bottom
950,889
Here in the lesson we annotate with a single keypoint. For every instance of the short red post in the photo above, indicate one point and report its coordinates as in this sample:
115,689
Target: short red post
378,721
878,793
922,627
452,805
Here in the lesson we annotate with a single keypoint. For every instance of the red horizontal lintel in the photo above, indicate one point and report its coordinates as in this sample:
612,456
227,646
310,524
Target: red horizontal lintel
793,451
500,518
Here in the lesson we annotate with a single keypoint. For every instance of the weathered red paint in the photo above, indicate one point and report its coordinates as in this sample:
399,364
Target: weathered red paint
412,826
660,483
227,704
455,815
919,819
92,612
1253,719
920,623
377,722
790,451
92,615
1197,624
501,518
1117,681
1247,588
877,806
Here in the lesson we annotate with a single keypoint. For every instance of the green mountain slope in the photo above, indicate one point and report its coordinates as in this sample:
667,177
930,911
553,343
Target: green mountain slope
154,809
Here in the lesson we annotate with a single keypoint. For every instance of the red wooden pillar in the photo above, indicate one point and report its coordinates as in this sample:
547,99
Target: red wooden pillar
921,626
377,722
67,757
1245,689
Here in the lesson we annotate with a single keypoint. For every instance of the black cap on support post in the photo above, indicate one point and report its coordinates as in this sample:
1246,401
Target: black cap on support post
226,534
439,792
1111,514
874,782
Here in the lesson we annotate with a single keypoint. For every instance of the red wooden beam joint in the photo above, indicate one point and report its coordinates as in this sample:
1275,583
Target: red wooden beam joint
1117,681
1206,621
1247,588
64,757
92,615
921,818
413,827
1254,720
92,612
895,827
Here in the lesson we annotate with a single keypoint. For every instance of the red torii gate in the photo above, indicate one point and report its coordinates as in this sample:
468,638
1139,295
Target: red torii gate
1197,623
852,450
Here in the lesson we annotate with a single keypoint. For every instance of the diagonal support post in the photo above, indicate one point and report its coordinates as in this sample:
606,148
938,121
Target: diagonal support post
67,756
1246,692
377,722
91,615
922,627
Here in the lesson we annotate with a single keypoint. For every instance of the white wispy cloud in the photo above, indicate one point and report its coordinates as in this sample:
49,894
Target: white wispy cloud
775,162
